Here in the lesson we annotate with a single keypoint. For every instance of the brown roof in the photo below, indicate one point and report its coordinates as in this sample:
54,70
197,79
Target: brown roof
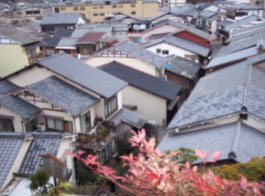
90,38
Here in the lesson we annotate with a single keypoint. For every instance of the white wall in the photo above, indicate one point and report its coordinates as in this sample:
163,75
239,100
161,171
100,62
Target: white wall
149,105
172,50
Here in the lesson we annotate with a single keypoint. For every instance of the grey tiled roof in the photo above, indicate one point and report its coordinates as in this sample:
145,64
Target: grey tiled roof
241,22
42,143
258,32
6,86
63,95
239,45
19,106
83,74
153,85
18,35
51,41
222,93
60,18
128,117
183,67
245,6
233,57
142,53
67,42
233,139
10,144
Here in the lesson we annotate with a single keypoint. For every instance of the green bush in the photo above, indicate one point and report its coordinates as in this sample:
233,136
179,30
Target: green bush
254,170
39,181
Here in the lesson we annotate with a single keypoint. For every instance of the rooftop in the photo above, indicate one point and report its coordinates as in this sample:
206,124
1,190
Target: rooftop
222,93
63,95
60,18
151,84
90,38
17,35
235,141
42,143
19,106
83,74
6,86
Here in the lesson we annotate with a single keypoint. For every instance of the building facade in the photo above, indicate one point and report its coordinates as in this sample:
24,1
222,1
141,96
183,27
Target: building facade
96,11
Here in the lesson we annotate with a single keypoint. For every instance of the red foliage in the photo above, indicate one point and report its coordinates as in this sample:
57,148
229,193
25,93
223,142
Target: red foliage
154,173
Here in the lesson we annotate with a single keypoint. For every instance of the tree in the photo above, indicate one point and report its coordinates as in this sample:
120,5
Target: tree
154,173
39,181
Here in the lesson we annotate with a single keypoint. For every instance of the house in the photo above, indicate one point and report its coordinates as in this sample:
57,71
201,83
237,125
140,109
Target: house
223,113
59,21
49,46
155,98
237,51
62,94
242,10
182,43
96,11
18,49
183,72
225,28
131,55
163,27
20,158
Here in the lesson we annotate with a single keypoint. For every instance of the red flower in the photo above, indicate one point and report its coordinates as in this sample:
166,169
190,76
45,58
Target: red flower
152,177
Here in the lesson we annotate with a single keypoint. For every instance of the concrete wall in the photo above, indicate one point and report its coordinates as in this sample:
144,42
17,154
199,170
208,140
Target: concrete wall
13,58
151,106
130,62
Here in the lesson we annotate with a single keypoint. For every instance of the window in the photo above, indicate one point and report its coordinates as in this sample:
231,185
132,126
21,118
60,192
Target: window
101,6
85,51
165,52
56,10
85,122
49,52
6,124
102,14
63,8
82,8
95,14
59,125
95,7
76,8
31,53
133,13
114,6
158,50
110,105
132,5
107,3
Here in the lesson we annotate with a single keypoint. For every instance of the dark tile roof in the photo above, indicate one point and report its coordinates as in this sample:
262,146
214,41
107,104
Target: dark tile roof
83,74
183,67
6,86
42,143
10,144
19,106
60,18
18,35
63,33
51,41
90,38
151,84
63,95
222,93
128,117
235,141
